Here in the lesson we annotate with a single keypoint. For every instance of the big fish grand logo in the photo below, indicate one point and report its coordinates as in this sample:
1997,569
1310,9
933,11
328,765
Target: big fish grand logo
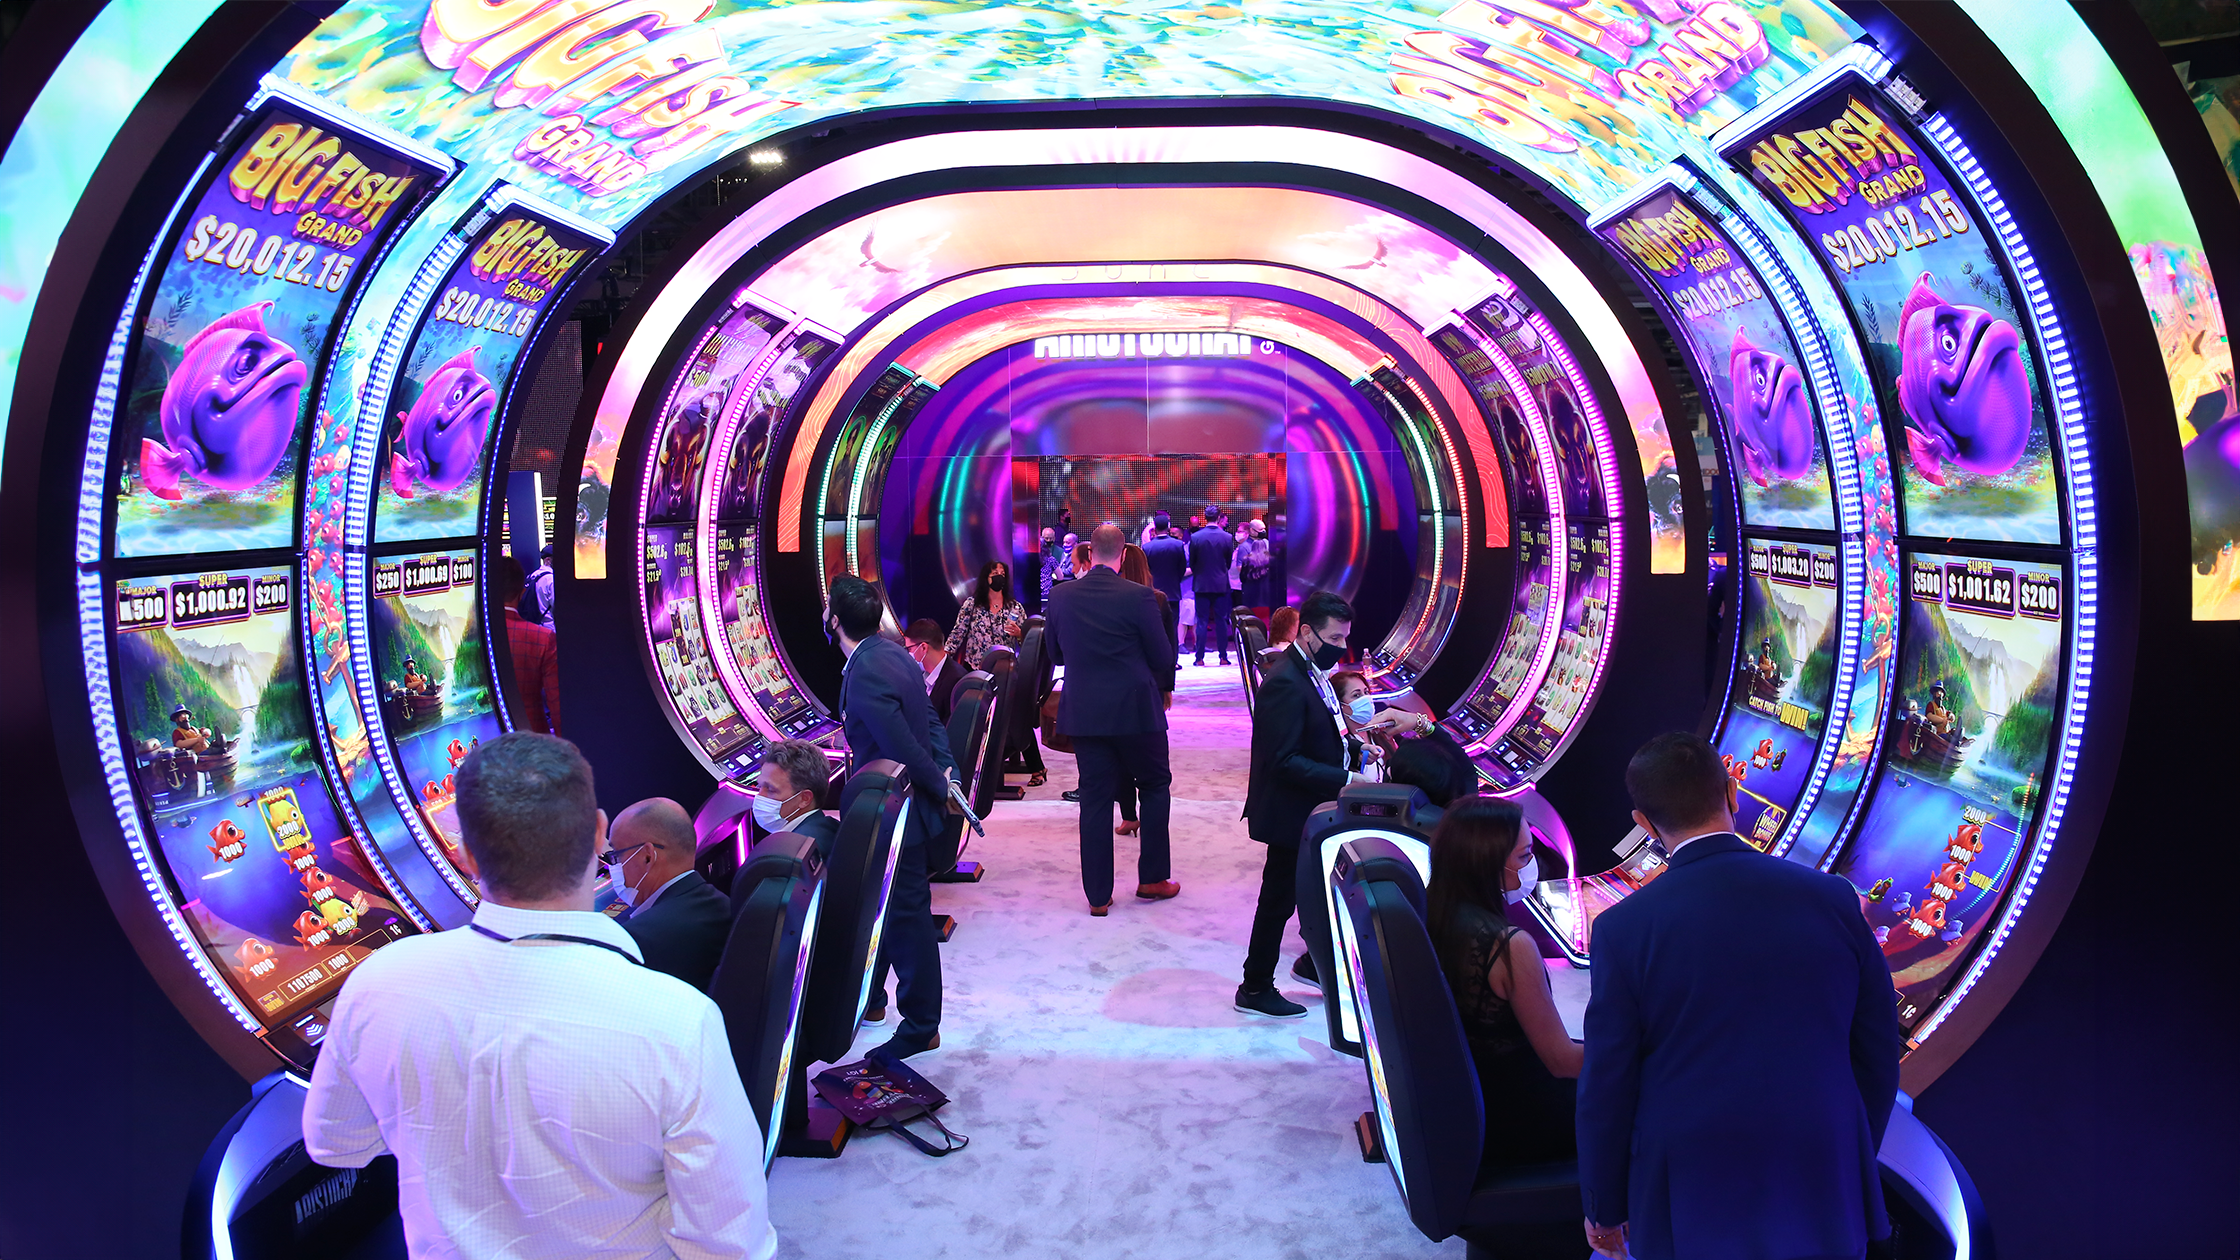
630,85
263,259
1941,323
1746,352
456,368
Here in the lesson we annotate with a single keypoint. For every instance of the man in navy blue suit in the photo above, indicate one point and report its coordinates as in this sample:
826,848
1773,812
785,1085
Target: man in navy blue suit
1169,558
884,714
1742,1043
1210,549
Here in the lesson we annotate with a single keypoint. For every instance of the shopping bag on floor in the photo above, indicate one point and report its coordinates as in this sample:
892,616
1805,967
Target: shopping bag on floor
888,1094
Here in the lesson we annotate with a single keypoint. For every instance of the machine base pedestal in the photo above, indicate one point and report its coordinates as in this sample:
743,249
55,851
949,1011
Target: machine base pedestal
1009,793
824,1136
945,926
961,873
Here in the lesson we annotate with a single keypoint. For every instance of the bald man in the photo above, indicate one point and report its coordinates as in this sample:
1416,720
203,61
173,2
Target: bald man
679,920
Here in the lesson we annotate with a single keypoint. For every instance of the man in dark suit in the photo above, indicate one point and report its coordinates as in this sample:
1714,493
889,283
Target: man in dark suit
1730,1110
679,920
1169,558
884,715
1210,549
925,643
1119,664
1299,759
789,791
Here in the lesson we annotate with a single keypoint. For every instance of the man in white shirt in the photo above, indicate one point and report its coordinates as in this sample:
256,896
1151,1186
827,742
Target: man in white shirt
544,1092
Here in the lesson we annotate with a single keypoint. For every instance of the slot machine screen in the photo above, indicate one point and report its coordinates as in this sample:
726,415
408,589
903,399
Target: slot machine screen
217,724
745,634
432,674
680,643
709,391
1980,690
1777,708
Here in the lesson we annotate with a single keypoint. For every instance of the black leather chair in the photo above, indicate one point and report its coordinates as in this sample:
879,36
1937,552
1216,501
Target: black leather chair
1001,666
1252,640
1430,1118
1021,715
777,900
859,879
969,725
1392,811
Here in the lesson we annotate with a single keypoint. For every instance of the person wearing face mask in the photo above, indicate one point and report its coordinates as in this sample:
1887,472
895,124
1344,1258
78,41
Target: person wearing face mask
789,791
679,919
923,640
1300,751
1528,1066
1376,728
987,618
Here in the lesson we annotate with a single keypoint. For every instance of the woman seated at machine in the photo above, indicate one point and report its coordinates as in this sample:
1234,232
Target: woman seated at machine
1527,1064
1368,723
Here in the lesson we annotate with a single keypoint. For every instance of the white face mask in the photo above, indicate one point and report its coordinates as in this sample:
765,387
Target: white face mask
1528,878
770,814
1362,709
623,892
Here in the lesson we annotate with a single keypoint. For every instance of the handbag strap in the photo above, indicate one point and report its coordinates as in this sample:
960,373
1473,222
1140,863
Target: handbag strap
953,1141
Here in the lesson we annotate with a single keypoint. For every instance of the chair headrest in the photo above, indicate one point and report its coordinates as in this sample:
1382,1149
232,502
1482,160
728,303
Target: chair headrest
1374,860
785,855
882,775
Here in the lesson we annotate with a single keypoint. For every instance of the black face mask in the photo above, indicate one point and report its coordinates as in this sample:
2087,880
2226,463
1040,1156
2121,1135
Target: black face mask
999,582
832,632
1328,655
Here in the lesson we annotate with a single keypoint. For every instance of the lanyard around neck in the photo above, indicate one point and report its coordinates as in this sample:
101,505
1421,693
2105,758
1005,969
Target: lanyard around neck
554,936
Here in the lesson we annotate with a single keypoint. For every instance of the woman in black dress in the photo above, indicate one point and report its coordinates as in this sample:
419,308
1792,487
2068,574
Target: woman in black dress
1528,1066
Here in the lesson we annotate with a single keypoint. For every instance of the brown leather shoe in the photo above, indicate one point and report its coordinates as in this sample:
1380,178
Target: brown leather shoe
1101,911
1158,892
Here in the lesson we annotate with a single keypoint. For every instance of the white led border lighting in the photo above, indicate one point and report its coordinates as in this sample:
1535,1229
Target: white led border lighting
1405,425
1559,540
2082,611
1849,494
1431,615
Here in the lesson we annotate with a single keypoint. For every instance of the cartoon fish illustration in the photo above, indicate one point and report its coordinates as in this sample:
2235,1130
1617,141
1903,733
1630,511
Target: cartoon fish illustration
2213,490
441,438
455,752
227,842
229,413
1773,424
1962,385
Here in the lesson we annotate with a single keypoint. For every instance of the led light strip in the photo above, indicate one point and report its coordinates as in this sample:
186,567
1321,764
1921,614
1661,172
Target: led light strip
1850,502
2082,612
863,467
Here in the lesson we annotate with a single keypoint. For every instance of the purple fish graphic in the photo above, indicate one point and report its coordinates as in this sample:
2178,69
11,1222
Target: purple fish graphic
441,439
2213,490
1962,386
1772,422
229,413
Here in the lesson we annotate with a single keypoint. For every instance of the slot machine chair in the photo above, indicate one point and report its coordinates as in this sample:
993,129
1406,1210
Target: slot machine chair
250,1193
717,852
777,901
970,723
859,882
1001,664
1430,1118
1396,813
1252,640
1022,716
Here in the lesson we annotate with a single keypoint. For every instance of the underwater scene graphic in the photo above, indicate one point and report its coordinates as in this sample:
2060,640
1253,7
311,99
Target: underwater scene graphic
455,371
1748,358
220,373
1954,374
431,669
216,721
1777,709
1980,692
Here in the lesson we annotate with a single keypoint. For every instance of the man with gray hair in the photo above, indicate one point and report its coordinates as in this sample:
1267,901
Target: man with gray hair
545,1093
789,793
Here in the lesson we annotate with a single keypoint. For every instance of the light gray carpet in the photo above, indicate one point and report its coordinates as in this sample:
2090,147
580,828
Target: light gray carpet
1118,1106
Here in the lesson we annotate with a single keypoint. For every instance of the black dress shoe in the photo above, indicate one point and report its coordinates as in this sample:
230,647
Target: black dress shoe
1268,1002
899,1047
1303,971
1074,795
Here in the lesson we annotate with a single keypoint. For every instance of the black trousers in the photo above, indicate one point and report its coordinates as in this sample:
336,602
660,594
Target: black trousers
910,944
1103,760
1279,898
1173,613
1213,622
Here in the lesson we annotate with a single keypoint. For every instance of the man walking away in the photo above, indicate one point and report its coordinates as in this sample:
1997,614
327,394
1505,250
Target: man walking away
1716,1118
1210,550
885,715
1298,762
1119,664
544,1093
1169,558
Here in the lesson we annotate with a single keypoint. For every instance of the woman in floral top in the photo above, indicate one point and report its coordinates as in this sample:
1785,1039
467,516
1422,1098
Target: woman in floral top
991,618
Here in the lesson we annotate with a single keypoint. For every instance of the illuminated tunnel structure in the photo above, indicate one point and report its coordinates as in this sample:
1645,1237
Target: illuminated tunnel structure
1458,238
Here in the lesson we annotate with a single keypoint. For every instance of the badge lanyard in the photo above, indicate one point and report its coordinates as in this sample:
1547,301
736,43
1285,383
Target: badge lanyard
555,936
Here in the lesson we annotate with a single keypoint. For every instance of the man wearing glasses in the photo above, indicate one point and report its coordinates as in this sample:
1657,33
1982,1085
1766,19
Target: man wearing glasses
679,920
544,1092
